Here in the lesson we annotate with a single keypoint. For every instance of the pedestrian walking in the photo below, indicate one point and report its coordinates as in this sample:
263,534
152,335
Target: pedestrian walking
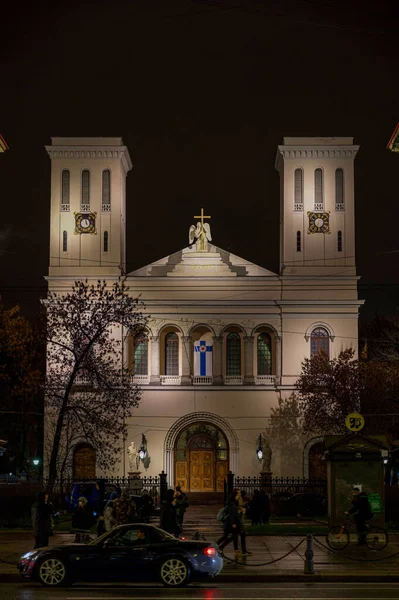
146,507
82,521
168,519
41,520
242,507
361,513
231,524
109,519
181,503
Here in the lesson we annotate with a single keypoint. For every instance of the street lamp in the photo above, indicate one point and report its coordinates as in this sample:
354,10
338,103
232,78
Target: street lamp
36,462
259,451
143,448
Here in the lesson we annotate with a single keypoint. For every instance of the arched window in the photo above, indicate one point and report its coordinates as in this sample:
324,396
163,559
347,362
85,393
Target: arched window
339,241
339,189
85,187
105,241
106,190
298,187
171,354
298,242
318,190
140,360
64,241
319,341
65,188
233,355
264,354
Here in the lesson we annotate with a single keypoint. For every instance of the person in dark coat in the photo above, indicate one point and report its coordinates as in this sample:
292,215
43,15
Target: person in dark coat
41,520
264,506
82,521
125,510
361,513
181,503
231,525
146,507
168,519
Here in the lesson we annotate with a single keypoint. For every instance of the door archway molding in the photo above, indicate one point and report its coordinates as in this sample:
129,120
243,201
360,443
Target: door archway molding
186,421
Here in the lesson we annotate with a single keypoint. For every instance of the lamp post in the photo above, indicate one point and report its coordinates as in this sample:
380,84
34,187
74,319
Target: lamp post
259,450
143,448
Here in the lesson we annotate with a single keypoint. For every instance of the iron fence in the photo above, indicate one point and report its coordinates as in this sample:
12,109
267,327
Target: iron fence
276,486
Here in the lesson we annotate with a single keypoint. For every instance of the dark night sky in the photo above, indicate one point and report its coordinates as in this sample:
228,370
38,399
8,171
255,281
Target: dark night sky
201,92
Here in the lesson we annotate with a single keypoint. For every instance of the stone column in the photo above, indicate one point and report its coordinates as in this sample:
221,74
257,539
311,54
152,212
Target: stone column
186,361
249,360
217,360
155,360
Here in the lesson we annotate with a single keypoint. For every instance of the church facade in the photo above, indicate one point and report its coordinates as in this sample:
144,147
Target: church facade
226,338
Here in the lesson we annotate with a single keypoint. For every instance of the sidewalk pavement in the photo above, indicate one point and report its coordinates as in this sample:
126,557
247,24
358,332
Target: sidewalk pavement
327,565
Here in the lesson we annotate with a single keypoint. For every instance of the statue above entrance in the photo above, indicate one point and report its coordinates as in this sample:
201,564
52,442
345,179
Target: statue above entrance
200,233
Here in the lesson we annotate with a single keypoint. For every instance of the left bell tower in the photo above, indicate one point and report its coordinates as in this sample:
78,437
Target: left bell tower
88,206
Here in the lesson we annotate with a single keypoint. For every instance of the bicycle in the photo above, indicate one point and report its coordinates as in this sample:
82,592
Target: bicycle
339,536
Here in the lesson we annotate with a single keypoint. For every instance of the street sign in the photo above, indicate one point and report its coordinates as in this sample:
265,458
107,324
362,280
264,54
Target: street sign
354,422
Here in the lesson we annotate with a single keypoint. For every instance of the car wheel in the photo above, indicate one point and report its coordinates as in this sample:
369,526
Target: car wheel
52,572
174,572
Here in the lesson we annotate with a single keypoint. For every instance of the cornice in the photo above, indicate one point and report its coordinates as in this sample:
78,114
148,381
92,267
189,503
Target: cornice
314,152
92,152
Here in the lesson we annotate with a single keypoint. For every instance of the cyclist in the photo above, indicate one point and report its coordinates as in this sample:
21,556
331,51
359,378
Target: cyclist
361,513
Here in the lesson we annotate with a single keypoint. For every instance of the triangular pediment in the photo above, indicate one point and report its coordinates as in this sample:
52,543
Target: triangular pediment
215,262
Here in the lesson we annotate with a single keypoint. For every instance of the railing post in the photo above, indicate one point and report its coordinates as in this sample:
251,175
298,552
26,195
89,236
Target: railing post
163,486
230,484
309,566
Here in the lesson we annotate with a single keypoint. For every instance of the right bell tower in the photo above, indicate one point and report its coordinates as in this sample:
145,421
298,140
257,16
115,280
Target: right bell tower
317,208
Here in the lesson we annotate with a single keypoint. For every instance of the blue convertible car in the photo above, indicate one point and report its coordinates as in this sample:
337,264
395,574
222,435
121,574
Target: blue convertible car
127,553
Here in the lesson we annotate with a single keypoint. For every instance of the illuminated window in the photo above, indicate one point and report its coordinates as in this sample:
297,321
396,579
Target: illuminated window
298,187
105,241
106,191
85,186
298,242
339,189
65,187
264,354
140,364
233,355
64,241
339,241
171,354
319,341
318,190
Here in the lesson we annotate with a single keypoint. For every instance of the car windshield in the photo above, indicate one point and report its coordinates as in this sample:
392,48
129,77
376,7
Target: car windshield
156,535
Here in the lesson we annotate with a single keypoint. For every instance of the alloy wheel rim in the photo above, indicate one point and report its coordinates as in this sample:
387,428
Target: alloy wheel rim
174,572
52,571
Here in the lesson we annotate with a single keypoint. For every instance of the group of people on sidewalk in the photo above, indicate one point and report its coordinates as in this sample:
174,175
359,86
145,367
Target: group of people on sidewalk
172,511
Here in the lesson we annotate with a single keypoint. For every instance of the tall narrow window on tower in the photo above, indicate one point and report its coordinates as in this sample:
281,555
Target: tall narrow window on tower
106,191
339,189
298,193
85,201
171,354
298,242
105,241
65,191
318,190
64,241
233,355
339,241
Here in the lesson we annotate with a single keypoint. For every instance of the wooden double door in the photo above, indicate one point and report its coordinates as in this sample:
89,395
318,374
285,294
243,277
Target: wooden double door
201,472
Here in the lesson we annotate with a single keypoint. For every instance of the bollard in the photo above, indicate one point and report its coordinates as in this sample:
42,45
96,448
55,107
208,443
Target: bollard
309,566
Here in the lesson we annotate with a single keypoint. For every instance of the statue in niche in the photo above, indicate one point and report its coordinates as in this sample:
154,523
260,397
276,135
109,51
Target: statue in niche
201,235
267,455
134,459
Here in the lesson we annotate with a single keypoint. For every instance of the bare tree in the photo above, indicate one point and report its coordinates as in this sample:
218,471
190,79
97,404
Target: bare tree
88,387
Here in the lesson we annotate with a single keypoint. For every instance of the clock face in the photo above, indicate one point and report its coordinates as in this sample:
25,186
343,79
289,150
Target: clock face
85,223
319,222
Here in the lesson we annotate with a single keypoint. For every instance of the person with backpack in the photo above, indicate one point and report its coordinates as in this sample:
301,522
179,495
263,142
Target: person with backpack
230,517
361,513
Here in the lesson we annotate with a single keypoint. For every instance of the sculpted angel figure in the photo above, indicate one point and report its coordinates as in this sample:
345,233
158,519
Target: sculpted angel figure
201,234
134,459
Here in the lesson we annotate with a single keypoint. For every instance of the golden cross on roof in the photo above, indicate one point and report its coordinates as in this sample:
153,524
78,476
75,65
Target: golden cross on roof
202,217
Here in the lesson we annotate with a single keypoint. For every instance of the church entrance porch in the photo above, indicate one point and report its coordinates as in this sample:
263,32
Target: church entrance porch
201,458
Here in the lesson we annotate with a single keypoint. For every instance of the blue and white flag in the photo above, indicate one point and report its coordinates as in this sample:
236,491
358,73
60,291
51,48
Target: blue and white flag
202,358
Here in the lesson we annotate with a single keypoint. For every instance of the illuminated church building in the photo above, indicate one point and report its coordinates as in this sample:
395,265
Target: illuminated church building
226,337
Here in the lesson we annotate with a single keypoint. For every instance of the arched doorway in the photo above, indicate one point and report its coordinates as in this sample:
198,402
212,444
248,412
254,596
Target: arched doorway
317,462
201,458
84,462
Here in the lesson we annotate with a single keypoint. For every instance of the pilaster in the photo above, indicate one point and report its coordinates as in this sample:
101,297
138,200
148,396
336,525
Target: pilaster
155,361
249,360
217,360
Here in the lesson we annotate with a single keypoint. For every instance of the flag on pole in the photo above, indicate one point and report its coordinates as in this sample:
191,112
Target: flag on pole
202,359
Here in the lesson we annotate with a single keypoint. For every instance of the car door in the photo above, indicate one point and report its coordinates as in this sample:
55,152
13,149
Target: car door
127,556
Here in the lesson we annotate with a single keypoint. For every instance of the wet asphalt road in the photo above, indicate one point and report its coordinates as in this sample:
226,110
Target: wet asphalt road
227,591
